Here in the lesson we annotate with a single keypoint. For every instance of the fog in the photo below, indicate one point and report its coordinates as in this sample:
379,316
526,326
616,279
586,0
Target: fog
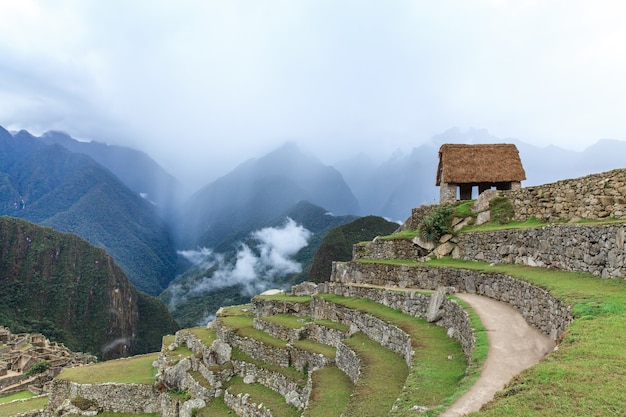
255,268
202,86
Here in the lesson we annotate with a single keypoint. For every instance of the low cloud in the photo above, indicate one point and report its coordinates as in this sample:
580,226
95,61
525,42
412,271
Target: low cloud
257,267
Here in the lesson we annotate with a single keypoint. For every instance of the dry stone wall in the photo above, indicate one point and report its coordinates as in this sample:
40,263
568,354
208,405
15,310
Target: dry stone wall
376,329
597,249
244,407
294,394
280,356
540,309
117,398
348,361
595,196
388,249
412,303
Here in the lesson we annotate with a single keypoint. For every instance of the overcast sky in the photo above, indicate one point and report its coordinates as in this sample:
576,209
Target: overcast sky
203,85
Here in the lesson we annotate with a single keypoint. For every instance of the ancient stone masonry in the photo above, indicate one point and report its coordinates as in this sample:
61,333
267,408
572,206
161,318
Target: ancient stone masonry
389,249
243,407
595,196
540,309
294,393
413,303
19,352
118,398
376,329
597,249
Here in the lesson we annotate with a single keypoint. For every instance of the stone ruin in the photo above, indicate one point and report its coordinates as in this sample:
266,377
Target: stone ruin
20,352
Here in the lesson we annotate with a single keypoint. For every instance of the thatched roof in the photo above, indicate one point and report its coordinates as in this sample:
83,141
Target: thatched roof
461,164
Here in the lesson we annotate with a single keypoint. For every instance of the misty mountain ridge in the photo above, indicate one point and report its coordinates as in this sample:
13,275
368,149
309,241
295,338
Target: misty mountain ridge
259,190
134,168
51,186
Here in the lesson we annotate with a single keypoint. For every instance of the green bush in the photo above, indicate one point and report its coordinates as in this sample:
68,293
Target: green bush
38,368
436,224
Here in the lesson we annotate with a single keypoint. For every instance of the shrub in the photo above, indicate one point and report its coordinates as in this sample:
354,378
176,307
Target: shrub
436,224
84,404
38,368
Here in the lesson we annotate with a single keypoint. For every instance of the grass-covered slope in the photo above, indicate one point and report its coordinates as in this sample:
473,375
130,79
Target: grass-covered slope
586,375
65,288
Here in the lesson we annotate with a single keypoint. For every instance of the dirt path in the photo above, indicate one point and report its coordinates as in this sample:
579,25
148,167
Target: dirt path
513,347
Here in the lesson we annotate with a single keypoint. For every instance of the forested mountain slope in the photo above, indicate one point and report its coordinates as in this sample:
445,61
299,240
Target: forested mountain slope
61,286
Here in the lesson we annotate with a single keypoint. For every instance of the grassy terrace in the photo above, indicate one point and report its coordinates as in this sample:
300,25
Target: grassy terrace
29,404
206,336
288,321
586,375
261,394
434,380
135,370
383,374
242,322
286,297
331,392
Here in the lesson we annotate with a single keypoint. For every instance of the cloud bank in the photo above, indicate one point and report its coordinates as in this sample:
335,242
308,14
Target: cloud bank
256,267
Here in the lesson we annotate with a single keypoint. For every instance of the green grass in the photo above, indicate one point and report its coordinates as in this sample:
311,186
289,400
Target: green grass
383,374
238,310
261,394
288,321
285,297
215,408
586,375
464,209
135,370
389,261
290,373
22,395
333,325
405,234
205,335
330,394
244,328
434,379
492,226
315,347
11,409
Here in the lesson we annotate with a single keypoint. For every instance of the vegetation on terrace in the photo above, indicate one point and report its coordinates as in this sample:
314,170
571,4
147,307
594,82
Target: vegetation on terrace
434,380
134,370
19,407
260,394
585,375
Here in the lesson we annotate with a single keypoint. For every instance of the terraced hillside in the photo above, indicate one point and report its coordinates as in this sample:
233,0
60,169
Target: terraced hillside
392,332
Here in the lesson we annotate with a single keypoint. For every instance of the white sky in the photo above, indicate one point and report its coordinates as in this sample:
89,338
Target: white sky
203,85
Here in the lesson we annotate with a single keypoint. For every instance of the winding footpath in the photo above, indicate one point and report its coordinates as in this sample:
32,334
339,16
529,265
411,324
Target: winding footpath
513,347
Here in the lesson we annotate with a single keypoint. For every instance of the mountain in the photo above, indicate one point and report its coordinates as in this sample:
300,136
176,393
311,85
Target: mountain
392,188
276,254
337,244
134,168
258,191
73,292
70,192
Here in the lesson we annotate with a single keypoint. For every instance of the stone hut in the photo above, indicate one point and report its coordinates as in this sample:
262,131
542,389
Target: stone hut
464,167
